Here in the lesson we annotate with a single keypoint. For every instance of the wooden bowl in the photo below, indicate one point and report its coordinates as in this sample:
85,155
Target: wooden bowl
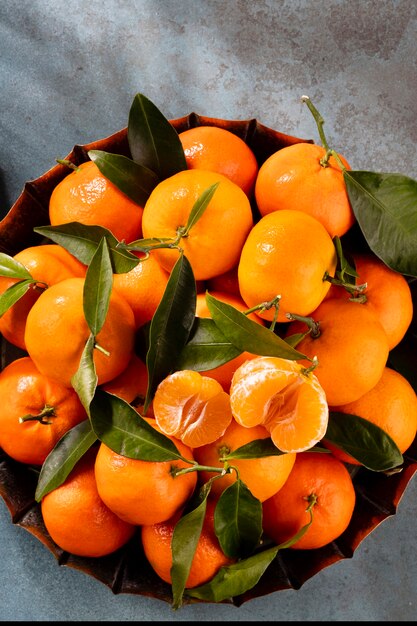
127,570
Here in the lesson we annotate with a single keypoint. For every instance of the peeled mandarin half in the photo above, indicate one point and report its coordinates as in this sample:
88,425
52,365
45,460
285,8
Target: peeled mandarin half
192,408
281,396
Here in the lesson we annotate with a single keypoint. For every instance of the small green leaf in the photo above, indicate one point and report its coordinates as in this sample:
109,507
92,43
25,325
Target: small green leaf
199,207
233,580
247,335
97,288
121,428
345,271
63,457
363,440
256,449
294,340
153,141
134,180
385,206
184,542
238,520
206,348
84,380
82,241
10,268
13,293
170,325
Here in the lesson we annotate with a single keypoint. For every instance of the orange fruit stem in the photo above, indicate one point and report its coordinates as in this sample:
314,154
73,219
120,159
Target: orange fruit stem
47,411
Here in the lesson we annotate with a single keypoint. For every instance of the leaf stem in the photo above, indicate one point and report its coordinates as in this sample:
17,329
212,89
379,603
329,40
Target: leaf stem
324,162
101,349
265,306
47,411
68,163
313,326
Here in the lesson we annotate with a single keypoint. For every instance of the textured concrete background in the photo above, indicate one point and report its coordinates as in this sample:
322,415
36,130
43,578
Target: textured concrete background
69,72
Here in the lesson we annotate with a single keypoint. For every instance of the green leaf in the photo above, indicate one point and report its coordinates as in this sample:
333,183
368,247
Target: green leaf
256,449
233,580
10,268
247,335
97,288
206,348
171,325
63,457
200,205
363,440
153,141
294,340
238,520
134,180
385,206
82,241
121,428
184,542
13,293
345,271
84,380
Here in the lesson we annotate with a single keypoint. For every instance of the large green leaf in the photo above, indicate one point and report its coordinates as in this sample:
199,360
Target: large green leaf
13,293
134,180
385,206
238,520
206,348
82,241
153,141
97,288
63,457
184,542
364,441
84,380
246,334
121,428
11,268
171,325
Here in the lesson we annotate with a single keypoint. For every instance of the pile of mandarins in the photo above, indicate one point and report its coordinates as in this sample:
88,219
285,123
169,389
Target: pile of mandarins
218,391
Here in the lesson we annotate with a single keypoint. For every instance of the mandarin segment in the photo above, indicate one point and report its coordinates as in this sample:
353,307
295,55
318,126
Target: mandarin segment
277,394
191,407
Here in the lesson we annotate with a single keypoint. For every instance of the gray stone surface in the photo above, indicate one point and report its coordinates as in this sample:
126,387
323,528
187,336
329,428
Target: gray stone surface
69,71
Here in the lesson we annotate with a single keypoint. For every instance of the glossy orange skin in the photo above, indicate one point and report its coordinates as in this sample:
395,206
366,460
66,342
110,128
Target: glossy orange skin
352,349
78,520
143,492
208,557
219,150
225,283
391,405
328,480
143,288
293,178
86,196
56,333
48,264
263,476
214,243
25,391
287,253
387,294
224,373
